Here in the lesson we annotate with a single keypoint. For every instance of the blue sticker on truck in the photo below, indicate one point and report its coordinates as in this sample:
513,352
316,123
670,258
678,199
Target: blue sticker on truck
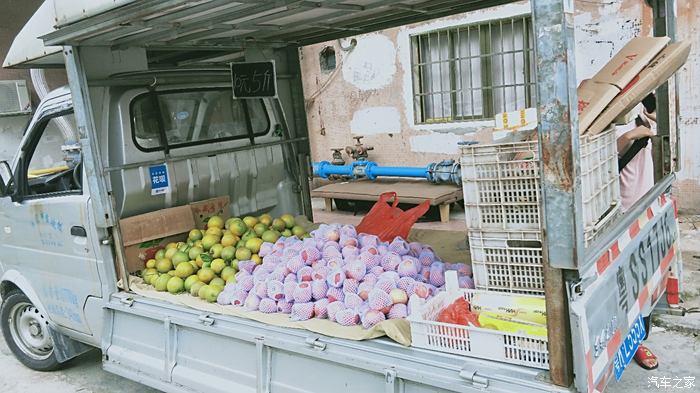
629,347
159,179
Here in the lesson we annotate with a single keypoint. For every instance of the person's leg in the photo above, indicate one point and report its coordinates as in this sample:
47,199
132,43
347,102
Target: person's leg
644,357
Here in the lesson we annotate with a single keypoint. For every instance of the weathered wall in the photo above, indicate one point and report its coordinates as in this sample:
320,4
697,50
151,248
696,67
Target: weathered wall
688,185
370,92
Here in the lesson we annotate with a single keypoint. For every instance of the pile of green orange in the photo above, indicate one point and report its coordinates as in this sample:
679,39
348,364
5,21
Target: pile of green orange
208,260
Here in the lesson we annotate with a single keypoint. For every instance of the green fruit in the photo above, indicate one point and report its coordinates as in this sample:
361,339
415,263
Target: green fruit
241,243
253,245
151,263
172,273
215,250
184,270
212,293
228,240
152,279
234,264
227,272
298,231
180,257
164,265
260,228
278,224
146,274
196,286
160,254
270,236
202,291
189,281
215,222
217,265
238,227
243,254
250,221
229,222
265,219
176,285
286,233
184,248
170,252
228,253
195,235
249,235
288,220
205,275
194,252
231,280
194,266
161,283
171,245
217,282
256,258
208,241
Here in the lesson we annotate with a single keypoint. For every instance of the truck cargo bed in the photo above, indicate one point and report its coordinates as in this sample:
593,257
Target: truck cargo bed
179,349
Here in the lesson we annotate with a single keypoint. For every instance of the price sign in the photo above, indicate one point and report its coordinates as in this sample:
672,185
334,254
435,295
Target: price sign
254,80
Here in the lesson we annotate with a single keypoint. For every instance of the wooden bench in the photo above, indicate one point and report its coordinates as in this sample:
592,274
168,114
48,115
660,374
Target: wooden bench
409,191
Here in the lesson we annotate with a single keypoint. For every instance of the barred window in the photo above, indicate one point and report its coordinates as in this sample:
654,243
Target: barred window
473,72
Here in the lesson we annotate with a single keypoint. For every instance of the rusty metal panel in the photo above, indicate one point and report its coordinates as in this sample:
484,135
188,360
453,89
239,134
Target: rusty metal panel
559,160
559,142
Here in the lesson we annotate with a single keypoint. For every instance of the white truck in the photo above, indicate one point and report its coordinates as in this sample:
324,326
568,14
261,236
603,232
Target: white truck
149,83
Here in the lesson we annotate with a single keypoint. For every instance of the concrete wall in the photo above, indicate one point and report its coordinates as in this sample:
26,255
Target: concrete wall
370,94
15,13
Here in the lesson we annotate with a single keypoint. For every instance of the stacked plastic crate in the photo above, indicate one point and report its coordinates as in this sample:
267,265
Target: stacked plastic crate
502,199
502,195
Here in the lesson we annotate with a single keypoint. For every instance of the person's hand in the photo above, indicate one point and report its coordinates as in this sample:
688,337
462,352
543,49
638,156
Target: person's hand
638,133
650,116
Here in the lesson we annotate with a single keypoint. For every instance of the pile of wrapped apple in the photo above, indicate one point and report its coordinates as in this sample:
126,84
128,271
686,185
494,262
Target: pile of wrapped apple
341,275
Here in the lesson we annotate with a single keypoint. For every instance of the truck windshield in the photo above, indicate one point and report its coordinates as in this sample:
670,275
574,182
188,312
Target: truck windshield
192,117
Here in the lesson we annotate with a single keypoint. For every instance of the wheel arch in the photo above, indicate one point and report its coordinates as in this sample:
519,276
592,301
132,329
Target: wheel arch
14,280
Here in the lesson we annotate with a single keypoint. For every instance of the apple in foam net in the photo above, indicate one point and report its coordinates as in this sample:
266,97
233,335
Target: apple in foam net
398,296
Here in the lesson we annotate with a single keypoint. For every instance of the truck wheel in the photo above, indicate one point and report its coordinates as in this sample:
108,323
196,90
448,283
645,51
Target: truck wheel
26,332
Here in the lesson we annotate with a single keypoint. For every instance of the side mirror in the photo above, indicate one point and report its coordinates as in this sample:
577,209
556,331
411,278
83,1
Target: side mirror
6,173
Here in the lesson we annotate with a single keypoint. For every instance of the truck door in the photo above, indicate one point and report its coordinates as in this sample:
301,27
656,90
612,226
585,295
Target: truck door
46,229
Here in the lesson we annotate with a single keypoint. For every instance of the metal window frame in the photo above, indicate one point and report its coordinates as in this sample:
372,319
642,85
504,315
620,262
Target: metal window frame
486,58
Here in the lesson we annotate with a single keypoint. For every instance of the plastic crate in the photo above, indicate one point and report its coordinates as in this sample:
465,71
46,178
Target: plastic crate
507,261
501,183
462,340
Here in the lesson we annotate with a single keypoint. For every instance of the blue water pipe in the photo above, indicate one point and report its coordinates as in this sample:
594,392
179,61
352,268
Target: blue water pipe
447,171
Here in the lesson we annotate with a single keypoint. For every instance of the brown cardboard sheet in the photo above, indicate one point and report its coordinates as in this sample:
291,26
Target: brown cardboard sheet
658,71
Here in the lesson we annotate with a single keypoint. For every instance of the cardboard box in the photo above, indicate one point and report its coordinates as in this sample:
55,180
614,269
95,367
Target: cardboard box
658,71
630,60
593,97
203,210
144,234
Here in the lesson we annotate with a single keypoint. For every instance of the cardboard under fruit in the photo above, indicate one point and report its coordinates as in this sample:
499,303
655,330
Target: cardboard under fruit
203,210
593,97
661,68
144,234
397,329
630,60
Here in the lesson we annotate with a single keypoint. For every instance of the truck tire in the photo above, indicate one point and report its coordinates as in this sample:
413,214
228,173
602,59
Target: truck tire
26,332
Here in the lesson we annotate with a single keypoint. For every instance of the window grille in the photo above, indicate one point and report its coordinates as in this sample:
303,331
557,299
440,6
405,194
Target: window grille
474,71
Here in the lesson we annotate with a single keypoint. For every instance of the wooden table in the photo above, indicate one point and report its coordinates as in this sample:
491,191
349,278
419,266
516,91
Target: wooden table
409,191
